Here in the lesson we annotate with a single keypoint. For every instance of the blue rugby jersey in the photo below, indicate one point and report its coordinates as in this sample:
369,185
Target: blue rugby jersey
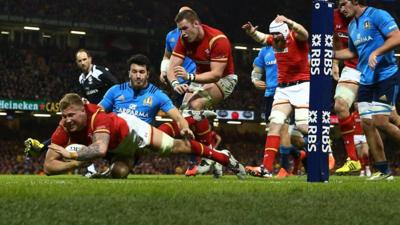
367,33
266,60
144,103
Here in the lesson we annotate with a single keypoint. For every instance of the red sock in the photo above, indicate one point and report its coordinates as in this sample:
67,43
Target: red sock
171,129
347,129
204,151
202,127
365,161
271,148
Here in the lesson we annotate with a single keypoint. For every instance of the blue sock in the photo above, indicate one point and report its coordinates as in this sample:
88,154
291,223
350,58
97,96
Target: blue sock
193,159
285,151
46,144
305,138
383,167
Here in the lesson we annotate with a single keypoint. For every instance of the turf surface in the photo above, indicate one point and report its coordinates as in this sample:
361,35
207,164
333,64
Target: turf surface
73,200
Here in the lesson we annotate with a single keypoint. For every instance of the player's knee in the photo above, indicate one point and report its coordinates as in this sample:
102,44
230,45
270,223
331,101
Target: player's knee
167,144
180,146
367,124
297,141
277,117
381,122
120,170
196,105
345,95
301,118
341,105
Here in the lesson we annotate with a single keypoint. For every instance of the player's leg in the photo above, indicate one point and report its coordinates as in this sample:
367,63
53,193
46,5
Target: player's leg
345,95
374,140
166,145
210,95
284,151
385,95
279,114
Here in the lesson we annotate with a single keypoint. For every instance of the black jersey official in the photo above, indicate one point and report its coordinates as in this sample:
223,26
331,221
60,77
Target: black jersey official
94,80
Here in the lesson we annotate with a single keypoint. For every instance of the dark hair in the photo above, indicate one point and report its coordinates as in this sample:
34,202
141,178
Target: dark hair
189,15
360,2
139,59
83,50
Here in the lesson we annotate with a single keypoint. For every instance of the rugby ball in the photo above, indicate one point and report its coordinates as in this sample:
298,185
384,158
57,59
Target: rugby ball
74,147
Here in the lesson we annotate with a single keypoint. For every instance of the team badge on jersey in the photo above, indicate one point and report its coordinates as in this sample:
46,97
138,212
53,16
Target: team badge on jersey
367,25
148,101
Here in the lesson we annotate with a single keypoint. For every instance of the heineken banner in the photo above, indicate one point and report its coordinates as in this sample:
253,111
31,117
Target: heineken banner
10,104
320,91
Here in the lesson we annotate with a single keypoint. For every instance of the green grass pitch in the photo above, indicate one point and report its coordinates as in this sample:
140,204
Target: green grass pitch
142,199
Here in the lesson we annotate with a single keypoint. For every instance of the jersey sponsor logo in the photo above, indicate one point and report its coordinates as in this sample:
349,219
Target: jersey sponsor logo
148,101
137,113
367,25
172,40
383,98
361,40
272,62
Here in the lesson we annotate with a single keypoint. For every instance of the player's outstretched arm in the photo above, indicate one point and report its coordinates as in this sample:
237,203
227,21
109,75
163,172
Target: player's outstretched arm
182,123
97,149
300,32
254,33
54,163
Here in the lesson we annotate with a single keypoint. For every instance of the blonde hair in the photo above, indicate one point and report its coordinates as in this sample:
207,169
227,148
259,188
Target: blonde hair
70,99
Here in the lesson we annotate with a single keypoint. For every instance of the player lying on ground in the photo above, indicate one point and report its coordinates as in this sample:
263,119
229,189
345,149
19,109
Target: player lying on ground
118,138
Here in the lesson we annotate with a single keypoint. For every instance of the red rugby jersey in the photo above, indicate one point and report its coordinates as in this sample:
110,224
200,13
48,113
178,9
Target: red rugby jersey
214,47
340,24
97,121
292,62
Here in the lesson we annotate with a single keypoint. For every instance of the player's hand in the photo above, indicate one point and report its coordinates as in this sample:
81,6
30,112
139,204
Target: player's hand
163,78
281,19
335,71
179,71
249,28
372,61
260,85
181,88
187,133
60,150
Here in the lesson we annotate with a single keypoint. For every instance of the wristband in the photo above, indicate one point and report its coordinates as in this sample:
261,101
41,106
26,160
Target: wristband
174,83
191,76
164,65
